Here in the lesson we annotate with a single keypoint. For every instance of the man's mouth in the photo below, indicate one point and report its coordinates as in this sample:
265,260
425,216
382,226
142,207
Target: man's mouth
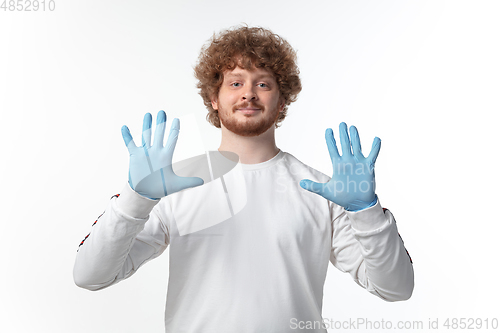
248,110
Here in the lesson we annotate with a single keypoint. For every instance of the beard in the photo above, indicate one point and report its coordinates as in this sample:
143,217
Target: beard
250,125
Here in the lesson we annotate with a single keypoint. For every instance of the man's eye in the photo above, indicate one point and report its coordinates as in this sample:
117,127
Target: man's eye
262,85
235,84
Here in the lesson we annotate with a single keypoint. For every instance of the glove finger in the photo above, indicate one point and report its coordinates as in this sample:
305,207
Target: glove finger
127,138
331,144
374,152
311,186
344,140
173,136
161,121
192,181
356,144
177,183
146,130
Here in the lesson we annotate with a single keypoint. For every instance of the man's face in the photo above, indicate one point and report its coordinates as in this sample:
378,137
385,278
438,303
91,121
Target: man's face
248,101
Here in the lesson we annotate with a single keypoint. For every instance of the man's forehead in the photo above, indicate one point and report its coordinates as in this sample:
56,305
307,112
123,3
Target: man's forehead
240,72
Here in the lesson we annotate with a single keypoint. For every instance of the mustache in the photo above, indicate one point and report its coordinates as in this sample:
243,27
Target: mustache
245,105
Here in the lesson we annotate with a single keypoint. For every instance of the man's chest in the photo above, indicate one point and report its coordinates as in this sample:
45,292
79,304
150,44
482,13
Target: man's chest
269,222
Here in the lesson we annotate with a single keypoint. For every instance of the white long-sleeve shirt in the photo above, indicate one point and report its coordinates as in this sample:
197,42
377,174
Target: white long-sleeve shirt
259,270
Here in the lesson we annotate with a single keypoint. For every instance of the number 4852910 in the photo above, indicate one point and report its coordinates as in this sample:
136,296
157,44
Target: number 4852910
471,323
28,5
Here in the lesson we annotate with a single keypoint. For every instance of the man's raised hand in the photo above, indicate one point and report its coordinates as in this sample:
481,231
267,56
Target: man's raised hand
352,185
150,170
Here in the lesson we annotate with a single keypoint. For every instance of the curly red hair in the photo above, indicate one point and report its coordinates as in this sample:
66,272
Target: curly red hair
246,47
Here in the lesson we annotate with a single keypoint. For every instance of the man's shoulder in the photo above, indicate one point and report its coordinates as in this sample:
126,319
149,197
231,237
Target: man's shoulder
298,168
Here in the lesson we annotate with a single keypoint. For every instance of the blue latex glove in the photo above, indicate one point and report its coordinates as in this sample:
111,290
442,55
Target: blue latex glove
352,185
150,169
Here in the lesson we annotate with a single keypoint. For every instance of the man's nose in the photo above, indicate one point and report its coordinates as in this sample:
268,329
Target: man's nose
249,93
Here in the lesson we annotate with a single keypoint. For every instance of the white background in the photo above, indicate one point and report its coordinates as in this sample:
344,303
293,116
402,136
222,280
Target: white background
421,75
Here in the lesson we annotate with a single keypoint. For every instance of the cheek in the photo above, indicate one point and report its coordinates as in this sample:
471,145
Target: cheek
225,98
275,101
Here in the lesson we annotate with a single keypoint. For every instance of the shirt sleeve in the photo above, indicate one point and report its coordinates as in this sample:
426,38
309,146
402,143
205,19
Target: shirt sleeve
367,245
128,234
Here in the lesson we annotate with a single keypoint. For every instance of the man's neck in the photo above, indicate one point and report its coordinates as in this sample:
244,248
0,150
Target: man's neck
251,150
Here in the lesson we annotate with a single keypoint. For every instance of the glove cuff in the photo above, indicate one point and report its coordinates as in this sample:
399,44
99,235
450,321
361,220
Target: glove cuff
133,204
357,208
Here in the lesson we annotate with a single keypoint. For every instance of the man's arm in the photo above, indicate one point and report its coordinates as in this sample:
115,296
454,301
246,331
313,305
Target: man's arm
366,244
365,239
127,235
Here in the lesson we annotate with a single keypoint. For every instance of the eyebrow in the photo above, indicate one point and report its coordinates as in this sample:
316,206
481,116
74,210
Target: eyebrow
237,75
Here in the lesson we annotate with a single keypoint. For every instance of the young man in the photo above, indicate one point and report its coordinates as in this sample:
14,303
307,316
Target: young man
262,267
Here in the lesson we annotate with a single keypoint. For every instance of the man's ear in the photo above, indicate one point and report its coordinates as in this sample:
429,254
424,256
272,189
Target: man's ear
282,104
215,105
